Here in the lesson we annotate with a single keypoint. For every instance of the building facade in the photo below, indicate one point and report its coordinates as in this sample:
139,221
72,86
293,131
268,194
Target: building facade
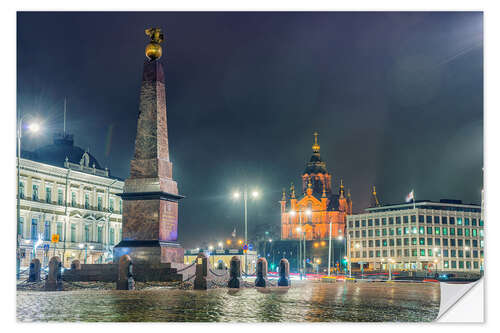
425,235
63,191
221,258
310,213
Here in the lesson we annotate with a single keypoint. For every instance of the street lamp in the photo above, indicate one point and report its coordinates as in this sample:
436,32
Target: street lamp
33,127
236,195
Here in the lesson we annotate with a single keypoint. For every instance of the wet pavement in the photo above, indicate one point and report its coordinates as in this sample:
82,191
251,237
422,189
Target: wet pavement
303,302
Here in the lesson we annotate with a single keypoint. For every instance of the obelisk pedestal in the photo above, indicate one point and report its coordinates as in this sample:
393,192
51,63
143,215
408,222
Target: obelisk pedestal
150,195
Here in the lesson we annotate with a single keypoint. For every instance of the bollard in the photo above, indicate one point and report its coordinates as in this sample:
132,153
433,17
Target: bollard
54,279
261,280
75,265
234,273
35,268
125,279
284,280
200,281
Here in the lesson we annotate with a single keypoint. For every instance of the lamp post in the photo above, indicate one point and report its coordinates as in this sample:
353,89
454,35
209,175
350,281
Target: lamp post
34,127
236,195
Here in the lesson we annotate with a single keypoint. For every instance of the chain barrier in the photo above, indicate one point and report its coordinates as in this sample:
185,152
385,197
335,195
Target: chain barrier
189,278
218,275
183,269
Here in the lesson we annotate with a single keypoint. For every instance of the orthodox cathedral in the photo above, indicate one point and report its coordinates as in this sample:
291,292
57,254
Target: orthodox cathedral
312,211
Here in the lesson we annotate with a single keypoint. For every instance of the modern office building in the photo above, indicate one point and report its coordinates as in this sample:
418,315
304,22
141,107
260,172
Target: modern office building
425,235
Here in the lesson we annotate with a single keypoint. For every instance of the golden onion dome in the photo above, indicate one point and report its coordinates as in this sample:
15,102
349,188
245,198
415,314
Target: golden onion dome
315,146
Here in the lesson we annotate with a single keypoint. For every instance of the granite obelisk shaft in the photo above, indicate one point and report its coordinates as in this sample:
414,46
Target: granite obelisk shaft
150,198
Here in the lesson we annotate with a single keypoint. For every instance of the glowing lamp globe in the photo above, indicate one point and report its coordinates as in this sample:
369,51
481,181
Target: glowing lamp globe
153,51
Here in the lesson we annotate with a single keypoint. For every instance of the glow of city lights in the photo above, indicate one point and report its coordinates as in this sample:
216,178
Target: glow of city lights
357,245
80,246
255,194
210,247
316,244
323,243
236,195
220,244
308,212
299,229
270,240
318,261
340,238
228,242
91,247
240,241
292,213
38,242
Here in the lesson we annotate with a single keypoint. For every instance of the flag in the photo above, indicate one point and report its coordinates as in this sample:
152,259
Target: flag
234,233
410,196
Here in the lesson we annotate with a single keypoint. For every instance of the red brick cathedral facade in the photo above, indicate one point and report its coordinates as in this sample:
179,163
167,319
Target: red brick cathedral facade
313,210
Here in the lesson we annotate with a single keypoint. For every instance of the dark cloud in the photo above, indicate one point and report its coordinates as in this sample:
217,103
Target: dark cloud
397,99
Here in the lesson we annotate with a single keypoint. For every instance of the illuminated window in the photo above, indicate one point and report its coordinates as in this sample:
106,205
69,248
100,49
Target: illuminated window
445,231
48,194
421,230
73,199
34,229
436,230
46,235
421,241
459,221
422,253
21,190
59,196
35,192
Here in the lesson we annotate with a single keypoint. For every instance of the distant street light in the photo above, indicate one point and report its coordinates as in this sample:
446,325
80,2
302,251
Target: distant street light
236,195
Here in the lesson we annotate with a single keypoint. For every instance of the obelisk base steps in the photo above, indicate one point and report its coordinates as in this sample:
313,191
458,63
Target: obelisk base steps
152,253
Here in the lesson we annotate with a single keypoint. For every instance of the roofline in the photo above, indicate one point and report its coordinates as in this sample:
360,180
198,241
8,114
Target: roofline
422,203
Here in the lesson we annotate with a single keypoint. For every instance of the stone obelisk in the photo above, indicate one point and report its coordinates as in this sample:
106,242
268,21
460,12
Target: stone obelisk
150,195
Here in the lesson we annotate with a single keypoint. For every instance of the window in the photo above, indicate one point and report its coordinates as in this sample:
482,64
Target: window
73,232
474,232
350,222
112,236
384,221
21,226
467,242
452,220
453,253
112,208
391,231
363,223
73,199
46,231
452,231
87,201
414,252
437,241
421,218
413,218
399,231
59,230
21,190
452,242
370,233
391,242
377,243
444,220
363,233
421,230
371,254
120,206
467,221
445,231
429,241
391,220
370,222
384,253
377,232
406,241
414,230
445,253
35,192
59,196
474,242
356,224
445,241
467,232
421,241
384,232
474,253
460,242
453,264
384,242
414,241
422,253
474,222
461,264
429,230
405,219
48,195
34,229
476,265
459,231
407,252
370,243
445,264
99,206
377,253
398,242
429,219
429,252
406,231
398,220
87,233
357,233
437,231
460,253
377,222
459,221
436,219
481,223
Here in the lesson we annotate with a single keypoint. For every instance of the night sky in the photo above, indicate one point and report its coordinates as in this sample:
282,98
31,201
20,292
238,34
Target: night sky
396,97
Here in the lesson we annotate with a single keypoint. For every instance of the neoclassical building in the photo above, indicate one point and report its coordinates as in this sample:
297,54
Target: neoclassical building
63,190
311,211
